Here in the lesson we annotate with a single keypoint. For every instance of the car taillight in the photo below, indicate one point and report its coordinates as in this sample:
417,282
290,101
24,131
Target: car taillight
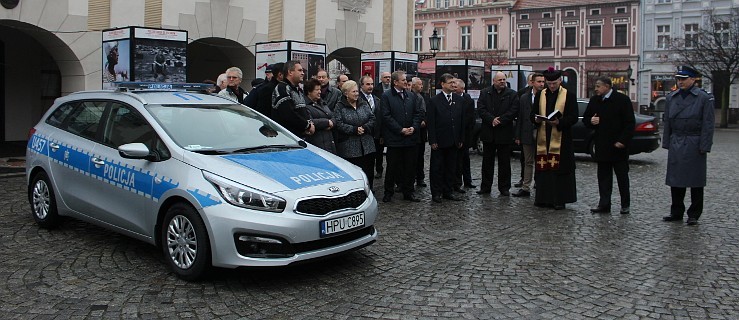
31,132
646,127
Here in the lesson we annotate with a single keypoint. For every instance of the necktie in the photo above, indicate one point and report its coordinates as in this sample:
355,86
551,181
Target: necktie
371,102
449,98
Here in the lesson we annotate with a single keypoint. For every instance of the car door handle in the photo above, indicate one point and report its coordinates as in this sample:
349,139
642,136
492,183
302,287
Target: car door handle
54,146
98,162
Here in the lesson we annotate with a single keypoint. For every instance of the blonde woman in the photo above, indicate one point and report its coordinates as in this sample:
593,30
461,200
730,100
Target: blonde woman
355,122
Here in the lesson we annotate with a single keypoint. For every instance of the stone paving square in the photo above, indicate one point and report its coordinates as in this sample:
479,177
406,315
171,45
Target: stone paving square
488,257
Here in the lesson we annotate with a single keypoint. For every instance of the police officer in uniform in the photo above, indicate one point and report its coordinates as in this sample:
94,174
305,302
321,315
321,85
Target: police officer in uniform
688,136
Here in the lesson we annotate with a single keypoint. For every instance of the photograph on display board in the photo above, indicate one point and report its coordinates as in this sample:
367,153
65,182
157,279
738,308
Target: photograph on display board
315,62
266,58
116,62
458,71
475,76
368,69
160,60
410,67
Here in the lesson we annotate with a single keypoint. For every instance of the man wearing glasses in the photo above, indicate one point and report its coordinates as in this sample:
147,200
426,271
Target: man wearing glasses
234,91
384,84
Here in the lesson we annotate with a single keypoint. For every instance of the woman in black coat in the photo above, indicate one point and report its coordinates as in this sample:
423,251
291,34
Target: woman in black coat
321,116
354,124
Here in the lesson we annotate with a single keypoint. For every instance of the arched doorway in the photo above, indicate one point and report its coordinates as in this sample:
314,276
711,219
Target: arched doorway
36,67
210,57
350,58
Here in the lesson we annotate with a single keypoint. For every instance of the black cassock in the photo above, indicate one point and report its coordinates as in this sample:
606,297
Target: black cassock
558,186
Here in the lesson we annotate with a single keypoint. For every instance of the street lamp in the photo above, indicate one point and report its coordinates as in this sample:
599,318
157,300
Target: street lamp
629,72
434,40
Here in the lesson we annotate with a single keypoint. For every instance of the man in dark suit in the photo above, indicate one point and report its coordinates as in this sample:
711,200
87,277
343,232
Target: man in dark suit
445,119
367,84
519,93
611,115
497,106
464,176
417,87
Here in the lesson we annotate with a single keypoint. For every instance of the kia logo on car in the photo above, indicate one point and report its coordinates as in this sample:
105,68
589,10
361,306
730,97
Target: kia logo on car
333,189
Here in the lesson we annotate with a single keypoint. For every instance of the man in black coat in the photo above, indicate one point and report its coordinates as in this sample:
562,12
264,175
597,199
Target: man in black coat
445,116
401,123
261,100
611,116
497,106
288,102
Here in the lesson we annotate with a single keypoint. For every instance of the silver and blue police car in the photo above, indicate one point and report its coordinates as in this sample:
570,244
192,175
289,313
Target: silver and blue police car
209,181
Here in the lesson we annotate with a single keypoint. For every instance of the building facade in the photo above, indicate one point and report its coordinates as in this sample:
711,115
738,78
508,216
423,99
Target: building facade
584,38
664,20
49,48
469,29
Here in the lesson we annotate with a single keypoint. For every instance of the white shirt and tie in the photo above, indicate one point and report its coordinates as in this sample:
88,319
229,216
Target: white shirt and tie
370,100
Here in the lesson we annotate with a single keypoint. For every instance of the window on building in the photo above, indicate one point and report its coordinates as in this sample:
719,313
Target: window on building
465,42
570,13
621,35
492,42
524,17
523,38
691,34
442,42
446,4
463,3
663,36
621,10
546,37
595,36
546,15
595,12
664,1
417,40
570,37
722,32
437,4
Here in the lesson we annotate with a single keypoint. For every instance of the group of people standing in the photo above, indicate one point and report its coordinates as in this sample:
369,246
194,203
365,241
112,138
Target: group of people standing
357,121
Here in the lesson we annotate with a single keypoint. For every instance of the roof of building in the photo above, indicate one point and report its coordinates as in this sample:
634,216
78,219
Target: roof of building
538,4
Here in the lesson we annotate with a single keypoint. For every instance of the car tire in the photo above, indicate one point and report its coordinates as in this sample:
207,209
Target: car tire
43,202
185,243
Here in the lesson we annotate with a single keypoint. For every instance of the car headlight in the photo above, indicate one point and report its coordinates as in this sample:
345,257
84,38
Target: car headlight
245,197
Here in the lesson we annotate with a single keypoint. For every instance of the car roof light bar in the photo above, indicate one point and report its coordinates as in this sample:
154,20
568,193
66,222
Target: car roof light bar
160,86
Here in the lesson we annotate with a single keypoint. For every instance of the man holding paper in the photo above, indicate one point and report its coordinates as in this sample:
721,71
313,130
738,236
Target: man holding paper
556,108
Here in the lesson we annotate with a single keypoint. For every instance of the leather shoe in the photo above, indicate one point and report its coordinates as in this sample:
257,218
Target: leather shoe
387,198
625,210
411,198
671,218
692,221
459,190
521,193
471,186
559,206
436,199
600,209
483,191
451,197
505,193
421,184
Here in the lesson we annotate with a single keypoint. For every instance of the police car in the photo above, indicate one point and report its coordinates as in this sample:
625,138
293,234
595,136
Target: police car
209,181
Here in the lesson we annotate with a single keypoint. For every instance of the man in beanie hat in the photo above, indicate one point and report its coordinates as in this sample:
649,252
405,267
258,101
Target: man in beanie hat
688,135
554,112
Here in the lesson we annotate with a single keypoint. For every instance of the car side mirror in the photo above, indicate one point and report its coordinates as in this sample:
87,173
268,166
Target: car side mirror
134,151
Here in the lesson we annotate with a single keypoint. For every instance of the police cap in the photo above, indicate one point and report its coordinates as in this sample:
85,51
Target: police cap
686,72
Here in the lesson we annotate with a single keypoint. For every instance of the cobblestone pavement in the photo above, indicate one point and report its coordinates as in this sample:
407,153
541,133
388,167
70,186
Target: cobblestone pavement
487,258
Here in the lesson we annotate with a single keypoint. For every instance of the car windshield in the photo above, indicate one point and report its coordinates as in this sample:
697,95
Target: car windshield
218,129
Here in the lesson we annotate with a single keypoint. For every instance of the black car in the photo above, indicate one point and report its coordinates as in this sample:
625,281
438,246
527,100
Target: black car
646,134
